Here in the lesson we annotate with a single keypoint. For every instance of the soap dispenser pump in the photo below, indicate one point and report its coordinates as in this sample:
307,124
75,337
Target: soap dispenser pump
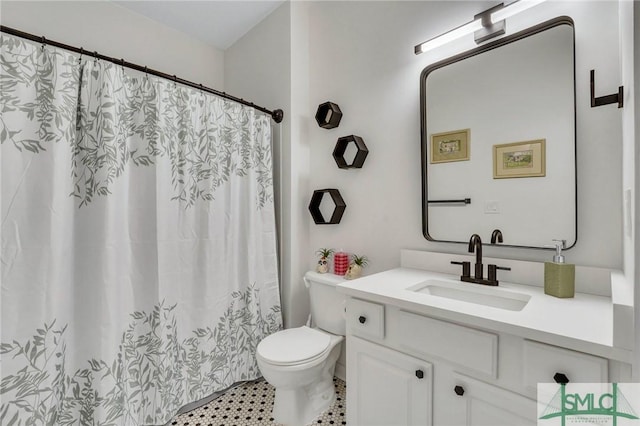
559,277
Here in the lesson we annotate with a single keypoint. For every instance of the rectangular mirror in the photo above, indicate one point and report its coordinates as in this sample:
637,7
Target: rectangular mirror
499,140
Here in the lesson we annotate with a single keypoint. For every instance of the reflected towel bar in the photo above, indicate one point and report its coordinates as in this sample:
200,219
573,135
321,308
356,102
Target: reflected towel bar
465,201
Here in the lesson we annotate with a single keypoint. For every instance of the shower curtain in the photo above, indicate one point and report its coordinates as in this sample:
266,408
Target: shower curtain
138,241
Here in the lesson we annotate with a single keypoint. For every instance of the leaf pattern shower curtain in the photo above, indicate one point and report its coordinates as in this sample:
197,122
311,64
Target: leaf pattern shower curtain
138,241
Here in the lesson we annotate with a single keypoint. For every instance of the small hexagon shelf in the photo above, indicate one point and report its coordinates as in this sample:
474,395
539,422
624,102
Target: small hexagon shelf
328,115
316,200
341,148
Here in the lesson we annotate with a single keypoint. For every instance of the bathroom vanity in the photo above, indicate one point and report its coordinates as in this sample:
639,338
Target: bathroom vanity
424,348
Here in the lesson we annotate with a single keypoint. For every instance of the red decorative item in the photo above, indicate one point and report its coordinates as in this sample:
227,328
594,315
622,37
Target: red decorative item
340,263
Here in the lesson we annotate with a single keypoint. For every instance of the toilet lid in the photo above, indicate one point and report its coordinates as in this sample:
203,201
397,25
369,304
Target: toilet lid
293,345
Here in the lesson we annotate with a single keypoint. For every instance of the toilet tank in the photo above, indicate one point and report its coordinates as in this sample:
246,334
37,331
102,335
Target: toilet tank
327,304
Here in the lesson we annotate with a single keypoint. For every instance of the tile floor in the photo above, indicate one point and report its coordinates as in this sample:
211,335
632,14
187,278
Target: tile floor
250,405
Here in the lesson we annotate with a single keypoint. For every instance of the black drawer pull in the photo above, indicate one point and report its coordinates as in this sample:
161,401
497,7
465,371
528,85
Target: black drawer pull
459,390
561,378
362,319
420,374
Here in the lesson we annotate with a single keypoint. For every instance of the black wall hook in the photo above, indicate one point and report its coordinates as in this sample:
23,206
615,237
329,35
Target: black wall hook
605,100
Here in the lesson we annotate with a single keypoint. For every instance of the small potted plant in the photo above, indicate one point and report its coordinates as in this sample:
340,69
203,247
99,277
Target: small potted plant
355,268
323,262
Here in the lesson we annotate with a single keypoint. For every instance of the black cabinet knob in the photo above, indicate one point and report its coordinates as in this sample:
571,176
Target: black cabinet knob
459,390
561,378
362,319
420,374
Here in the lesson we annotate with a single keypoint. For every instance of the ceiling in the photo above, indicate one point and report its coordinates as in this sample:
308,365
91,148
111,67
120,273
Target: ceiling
217,23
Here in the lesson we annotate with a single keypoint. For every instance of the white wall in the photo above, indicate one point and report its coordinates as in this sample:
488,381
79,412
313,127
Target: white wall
259,66
360,55
118,32
631,71
634,257
300,173
363,60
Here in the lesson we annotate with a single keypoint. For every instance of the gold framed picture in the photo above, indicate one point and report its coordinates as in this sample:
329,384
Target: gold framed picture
450,146
519,159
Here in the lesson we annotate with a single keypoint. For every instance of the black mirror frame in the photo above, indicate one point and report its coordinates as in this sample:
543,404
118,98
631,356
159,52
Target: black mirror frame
561,20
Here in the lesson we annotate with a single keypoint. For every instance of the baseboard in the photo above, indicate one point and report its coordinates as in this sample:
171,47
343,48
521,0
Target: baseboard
340,372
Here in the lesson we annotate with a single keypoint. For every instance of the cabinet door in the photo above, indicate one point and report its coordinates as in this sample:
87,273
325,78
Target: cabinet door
481,404
386,387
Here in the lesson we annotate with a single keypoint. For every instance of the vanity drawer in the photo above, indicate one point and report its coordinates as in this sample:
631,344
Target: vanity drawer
466,347
541,362
365,319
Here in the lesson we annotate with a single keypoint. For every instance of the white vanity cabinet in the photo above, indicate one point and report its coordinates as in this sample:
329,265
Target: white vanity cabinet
406,368
387,387
481,404
380,377
484,356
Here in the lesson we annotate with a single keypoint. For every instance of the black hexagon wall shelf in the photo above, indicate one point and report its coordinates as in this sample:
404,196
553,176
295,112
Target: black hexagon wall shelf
316,200
328,115
341,147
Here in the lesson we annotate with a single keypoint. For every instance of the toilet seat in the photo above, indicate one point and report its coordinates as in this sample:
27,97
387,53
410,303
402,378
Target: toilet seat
294,346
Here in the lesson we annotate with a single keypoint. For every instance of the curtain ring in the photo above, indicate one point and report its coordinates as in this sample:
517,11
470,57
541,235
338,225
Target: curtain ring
95,57
146,72
44,41
81,53
175,79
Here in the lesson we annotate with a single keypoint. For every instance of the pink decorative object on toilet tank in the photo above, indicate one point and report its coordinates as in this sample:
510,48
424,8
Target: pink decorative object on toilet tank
340,263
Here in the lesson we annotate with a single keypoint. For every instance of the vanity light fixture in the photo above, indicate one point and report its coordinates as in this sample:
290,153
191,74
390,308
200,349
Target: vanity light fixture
485,25
513,9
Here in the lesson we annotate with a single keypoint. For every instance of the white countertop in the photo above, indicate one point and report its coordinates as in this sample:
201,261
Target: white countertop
583,323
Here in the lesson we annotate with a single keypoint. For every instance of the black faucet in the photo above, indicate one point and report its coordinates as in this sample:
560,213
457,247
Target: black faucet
475,245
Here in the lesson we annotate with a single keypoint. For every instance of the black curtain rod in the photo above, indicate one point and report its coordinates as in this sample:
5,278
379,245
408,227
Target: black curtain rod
277,114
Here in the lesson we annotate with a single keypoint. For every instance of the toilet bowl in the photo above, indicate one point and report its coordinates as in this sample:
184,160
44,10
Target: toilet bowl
299,363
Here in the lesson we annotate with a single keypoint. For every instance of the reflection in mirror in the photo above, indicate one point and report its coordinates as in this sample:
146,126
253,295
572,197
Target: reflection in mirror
499,129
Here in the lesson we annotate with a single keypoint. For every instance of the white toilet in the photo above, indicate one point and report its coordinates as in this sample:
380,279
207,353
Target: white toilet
299,362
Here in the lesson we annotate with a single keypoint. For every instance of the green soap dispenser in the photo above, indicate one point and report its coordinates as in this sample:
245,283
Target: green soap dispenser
559,277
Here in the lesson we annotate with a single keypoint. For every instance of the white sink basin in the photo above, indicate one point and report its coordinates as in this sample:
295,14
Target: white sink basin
473,293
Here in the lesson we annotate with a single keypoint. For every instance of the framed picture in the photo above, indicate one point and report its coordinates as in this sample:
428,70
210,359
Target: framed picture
519,159
450,146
